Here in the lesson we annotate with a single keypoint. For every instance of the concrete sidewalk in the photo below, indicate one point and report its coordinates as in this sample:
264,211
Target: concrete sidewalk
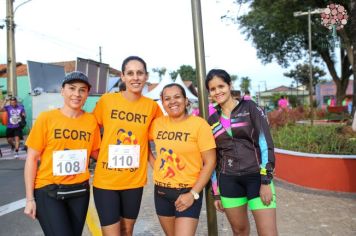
300,211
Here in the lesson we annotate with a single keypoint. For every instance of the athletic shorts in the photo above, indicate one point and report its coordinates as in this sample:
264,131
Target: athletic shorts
111,205
13,132
61,217
166,197
237,191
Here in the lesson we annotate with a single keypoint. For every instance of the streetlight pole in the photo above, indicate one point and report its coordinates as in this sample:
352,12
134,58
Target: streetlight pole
11,59
310,71
203,100
309,13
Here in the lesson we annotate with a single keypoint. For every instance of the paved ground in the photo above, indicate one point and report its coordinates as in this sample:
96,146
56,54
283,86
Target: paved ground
7,154
300,212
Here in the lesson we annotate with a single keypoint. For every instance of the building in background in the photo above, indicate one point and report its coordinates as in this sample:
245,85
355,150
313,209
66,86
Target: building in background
267,98
28,95
326,91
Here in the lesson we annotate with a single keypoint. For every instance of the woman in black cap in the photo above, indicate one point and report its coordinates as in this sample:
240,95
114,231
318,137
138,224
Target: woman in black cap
61,140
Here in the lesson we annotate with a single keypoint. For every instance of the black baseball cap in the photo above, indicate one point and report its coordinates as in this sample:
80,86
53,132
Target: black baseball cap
76,76
13,99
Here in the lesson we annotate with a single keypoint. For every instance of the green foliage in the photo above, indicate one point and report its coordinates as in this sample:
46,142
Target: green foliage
301,74
161,71
245,83
186,72
234,78
279,36
321,139
293,100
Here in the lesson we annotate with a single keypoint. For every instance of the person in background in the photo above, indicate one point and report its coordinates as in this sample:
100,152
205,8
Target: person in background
56,173
245,157
331,101
15,113
247,95
185,160
283,103
121,169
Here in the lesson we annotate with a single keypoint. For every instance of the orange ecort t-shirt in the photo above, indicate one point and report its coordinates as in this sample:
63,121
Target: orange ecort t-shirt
127,123
178,147
53,131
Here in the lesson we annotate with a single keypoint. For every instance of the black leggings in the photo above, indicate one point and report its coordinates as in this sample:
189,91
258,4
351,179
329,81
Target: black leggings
61,217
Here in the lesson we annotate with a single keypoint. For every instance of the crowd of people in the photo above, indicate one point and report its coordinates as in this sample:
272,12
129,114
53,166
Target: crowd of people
233,149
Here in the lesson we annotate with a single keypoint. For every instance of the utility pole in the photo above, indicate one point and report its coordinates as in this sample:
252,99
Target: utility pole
203,101
309,13
11,59
311,90
100,54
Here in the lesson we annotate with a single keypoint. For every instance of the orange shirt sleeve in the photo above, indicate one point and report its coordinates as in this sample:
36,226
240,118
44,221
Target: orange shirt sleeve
206,139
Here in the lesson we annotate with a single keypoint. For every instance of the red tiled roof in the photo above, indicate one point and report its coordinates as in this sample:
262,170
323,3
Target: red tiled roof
21,69
280,89
69,66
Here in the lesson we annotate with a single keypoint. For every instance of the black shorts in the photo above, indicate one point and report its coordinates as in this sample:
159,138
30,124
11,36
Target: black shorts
232,186
13,132
111,205
165,198
61,217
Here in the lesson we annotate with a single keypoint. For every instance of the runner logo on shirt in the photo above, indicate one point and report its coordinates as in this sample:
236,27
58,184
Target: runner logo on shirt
170,162
126,138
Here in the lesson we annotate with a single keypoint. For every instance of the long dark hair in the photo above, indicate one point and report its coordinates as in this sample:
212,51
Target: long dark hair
132,58
218,73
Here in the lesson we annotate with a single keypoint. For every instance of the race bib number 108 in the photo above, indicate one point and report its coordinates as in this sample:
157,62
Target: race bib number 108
124,156
69,162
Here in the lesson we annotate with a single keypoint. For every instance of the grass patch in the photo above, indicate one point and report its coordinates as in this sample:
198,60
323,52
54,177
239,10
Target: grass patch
323,139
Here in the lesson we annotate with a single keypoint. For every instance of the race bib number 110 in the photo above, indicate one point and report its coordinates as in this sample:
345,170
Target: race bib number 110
124,156
69,162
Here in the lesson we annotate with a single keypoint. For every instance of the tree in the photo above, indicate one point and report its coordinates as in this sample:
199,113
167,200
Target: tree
234,78
186,72
245,83
301,74
161,71
278,35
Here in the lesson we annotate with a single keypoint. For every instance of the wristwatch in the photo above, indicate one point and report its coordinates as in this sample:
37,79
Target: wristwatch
195,194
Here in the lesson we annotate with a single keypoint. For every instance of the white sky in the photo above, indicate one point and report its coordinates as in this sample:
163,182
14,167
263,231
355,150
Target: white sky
159,31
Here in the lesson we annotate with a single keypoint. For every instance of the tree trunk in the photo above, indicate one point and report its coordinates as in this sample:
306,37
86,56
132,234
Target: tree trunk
353,40
340,82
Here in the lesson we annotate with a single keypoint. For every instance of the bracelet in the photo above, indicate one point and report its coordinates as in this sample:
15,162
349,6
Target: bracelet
263,171
30,200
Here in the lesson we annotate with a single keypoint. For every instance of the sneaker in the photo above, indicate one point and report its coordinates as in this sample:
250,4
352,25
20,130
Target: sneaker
16,155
